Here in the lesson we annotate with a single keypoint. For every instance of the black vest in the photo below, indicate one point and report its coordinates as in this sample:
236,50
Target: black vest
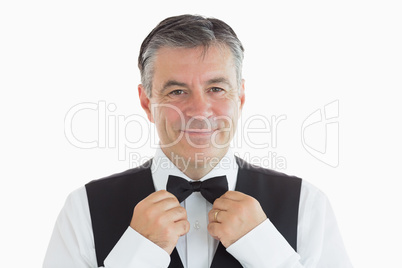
112,201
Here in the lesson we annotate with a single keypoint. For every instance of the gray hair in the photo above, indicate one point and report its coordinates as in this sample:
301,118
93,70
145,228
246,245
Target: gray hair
187,31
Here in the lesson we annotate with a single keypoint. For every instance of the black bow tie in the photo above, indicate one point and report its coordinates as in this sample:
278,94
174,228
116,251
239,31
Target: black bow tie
210,189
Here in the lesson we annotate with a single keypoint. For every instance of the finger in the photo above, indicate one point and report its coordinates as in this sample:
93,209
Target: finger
176,214
223,204
213,230
177,229
160,195
166,204
182,227
217,215
150,210
211,215
234,195
165,211
164,219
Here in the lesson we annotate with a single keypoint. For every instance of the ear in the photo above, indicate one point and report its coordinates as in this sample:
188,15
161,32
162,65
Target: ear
145,102
242,96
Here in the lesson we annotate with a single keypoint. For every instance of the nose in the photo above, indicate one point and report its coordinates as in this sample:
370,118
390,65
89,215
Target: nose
199,105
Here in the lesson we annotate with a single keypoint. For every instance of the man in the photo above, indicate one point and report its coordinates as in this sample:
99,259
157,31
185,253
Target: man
195,204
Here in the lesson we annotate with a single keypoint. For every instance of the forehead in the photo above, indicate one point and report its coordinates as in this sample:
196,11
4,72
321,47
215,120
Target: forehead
193,65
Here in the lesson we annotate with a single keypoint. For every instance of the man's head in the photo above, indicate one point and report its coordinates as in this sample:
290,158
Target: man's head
192,87
187,31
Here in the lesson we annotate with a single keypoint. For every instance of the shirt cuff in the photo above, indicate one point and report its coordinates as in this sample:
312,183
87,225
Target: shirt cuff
264,246
134,250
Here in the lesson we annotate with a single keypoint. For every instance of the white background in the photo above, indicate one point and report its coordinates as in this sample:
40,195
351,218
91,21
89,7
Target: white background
300,56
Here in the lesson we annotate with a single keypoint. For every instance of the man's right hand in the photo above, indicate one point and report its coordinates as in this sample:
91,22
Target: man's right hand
160,218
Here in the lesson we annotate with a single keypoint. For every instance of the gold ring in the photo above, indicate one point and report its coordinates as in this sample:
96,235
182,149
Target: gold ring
216,215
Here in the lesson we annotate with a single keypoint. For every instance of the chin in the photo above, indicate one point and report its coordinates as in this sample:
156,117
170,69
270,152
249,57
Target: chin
198,148
205,154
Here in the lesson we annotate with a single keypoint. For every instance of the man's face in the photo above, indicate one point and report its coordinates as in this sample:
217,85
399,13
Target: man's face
195,101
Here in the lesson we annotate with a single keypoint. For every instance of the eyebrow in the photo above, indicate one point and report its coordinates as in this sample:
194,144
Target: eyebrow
219,80
174,83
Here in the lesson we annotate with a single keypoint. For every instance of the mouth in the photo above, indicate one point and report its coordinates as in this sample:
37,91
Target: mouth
197,131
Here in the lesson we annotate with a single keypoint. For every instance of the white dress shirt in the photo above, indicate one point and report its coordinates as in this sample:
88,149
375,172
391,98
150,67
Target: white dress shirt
319,242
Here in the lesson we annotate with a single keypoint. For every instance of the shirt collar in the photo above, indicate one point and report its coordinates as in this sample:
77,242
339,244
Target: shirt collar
162,167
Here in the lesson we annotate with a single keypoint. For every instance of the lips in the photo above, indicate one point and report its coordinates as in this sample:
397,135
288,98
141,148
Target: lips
199,131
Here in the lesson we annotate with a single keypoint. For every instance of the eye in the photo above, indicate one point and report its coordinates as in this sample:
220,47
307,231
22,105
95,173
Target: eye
176,92
216,89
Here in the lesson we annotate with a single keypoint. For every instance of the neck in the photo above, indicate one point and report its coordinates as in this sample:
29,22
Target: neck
195,167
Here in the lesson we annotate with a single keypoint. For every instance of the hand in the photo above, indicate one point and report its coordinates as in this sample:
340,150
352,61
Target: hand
160,218
237,215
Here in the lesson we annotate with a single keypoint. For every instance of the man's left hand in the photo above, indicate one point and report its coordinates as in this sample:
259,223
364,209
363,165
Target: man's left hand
233,215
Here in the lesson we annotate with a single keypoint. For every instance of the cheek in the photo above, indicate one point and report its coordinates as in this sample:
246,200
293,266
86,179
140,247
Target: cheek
169,116
228,111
